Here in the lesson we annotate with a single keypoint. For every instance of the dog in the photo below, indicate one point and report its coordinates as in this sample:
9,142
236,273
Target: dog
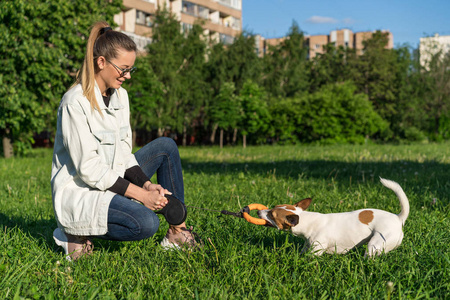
340,232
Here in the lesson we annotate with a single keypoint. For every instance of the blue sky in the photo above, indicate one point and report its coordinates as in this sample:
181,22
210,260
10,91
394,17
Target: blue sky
408,20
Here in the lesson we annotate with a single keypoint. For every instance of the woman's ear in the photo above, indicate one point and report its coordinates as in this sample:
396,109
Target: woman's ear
101,61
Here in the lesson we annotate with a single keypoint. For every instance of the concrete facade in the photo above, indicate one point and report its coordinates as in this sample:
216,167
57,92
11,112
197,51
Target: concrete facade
430,46
315,43
221,19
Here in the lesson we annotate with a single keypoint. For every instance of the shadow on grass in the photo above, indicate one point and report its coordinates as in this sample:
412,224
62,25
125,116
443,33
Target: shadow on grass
42,231
413,176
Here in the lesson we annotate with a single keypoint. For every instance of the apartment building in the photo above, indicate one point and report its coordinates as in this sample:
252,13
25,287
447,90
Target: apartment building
222,19
343,38
315,43
430,46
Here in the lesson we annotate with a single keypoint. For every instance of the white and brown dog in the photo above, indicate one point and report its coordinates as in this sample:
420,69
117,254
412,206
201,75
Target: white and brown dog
340,232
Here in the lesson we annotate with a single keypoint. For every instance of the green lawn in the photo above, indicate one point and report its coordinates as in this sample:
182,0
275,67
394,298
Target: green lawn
241,260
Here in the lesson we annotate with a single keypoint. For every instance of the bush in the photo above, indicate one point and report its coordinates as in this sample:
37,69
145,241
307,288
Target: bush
336,114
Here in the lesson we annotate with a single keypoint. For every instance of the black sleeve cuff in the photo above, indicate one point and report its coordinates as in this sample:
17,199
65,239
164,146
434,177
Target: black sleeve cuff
120,186
136,176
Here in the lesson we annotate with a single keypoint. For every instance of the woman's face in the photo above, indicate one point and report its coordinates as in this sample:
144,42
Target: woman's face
111,74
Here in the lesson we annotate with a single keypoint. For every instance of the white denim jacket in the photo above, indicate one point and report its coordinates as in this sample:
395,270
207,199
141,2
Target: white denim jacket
90,153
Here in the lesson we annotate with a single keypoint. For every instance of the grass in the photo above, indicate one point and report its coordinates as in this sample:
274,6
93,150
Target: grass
240,260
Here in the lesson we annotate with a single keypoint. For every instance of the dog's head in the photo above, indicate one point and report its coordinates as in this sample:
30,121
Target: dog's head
284,216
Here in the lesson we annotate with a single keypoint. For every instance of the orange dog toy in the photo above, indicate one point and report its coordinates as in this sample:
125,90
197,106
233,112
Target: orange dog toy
250,219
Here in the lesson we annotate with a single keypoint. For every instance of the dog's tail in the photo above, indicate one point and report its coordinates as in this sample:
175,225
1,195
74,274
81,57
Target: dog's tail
404,203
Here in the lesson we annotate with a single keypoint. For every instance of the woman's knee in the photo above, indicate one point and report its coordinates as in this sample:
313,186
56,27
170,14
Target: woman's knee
149,226
168,144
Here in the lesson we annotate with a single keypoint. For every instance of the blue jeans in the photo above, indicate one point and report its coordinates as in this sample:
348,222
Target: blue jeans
130,221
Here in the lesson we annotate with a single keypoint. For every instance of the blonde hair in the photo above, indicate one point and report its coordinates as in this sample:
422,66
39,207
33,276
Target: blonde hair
102,41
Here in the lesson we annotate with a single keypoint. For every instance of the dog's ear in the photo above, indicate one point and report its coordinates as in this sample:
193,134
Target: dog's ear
292,220
304,204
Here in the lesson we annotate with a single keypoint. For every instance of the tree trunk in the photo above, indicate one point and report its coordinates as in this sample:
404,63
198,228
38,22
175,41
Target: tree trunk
244,141
160,132
213,134
8,149
184,135
133,139
221,138
234,136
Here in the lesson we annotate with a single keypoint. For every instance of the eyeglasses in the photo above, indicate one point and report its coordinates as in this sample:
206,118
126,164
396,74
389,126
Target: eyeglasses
123,72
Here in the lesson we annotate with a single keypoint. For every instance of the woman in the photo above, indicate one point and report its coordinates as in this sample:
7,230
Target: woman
94,173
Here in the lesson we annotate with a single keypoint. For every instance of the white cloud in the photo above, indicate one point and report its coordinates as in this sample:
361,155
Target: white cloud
321,20
328,20
348,21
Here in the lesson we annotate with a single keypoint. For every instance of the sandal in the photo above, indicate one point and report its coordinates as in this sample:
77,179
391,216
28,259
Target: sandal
74,246
185,239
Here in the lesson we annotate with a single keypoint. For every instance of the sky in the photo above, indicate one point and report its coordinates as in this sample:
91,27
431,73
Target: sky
407,20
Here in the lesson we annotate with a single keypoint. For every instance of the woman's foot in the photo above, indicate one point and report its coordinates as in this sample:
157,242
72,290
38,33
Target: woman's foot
179,238
74,246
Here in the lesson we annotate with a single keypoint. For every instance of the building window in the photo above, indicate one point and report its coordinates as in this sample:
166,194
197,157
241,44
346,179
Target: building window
203,12
232,22
185,27
143,18
236,4
195,10
226,39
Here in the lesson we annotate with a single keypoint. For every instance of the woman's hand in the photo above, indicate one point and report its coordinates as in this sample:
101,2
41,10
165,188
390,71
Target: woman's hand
154,200
156,187
151,195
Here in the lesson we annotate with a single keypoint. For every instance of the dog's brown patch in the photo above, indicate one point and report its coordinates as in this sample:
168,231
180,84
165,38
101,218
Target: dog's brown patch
366,216
283,218
286,206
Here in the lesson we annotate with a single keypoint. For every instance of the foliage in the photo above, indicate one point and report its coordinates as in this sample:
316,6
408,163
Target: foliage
377,77
336,64
243,62
256,117
41,47
217,67
336,113
226,110
165,58
195,92
437,98
286,118
285,67
146,95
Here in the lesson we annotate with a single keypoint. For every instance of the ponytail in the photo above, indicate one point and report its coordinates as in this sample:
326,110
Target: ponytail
102,41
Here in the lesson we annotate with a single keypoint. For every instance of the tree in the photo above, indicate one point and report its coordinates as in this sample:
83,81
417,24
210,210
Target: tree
41,48
226,111
332,66
195,90
286,116
435,82
338,114
380,77
236,64
217,68
285,66
256,118
166,60
146,97
243,62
